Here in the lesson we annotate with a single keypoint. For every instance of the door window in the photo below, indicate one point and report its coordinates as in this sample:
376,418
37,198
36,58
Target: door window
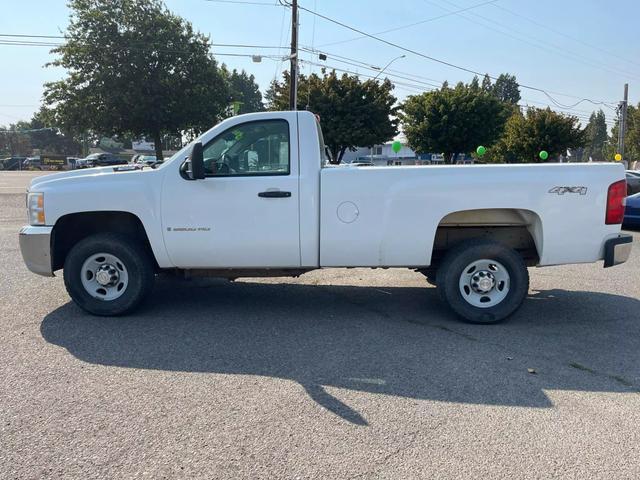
249,149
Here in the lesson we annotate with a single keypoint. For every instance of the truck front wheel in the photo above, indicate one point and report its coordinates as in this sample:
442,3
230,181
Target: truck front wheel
483,281
108,274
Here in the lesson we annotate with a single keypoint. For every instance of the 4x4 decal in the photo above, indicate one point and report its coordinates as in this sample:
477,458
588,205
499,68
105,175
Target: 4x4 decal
563,190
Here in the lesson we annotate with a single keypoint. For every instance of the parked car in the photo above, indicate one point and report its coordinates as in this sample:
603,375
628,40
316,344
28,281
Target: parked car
81,163
633,182
100,160
149,160
32,163
253,197
632,211
12,163
362,163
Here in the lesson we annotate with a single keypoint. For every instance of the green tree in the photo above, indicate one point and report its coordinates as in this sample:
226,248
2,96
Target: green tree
14,141
539,129
244,90
486,83
595,137
506,88
134,68
353,113
453,120
631,138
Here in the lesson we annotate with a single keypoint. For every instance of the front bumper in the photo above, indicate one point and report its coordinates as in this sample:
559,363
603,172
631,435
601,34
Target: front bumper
35,245
617,250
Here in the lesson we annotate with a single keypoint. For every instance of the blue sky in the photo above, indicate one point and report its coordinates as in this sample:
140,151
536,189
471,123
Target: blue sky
582,48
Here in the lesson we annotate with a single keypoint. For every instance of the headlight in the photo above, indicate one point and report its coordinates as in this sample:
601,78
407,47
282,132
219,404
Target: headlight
35,204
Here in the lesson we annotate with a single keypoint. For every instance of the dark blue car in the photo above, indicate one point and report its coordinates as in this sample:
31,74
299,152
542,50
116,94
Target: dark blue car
632,211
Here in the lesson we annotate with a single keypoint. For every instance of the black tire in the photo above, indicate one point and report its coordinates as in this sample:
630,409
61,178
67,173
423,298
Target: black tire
137,261
459,257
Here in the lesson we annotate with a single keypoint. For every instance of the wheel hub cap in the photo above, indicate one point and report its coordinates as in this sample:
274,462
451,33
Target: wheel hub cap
107,275
483,281
104,276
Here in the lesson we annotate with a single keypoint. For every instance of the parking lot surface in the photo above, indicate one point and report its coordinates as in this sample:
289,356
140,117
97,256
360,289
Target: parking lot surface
338,374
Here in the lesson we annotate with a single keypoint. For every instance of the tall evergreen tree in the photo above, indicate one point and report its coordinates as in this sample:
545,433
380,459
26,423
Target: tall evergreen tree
486,83
243,91
507,89
595,136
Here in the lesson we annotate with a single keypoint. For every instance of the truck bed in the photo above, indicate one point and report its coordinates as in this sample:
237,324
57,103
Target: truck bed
388,216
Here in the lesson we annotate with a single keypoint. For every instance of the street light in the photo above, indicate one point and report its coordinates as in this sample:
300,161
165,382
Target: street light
387,65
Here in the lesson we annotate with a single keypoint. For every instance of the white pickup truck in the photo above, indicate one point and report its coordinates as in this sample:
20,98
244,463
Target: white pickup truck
254,196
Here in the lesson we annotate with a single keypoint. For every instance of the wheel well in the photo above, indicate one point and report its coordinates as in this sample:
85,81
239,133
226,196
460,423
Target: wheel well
518,229
72,228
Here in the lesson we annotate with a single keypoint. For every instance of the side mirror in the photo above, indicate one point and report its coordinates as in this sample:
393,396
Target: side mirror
196,162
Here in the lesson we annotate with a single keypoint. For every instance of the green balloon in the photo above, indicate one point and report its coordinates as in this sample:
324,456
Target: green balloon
481,150
396,146
544,154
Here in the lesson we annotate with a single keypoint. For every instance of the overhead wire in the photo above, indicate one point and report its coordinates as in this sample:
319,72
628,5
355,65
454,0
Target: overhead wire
580,114
409,25
444,62
561,33
544,45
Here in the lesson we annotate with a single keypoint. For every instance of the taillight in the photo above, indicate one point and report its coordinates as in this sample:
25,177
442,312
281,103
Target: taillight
615,202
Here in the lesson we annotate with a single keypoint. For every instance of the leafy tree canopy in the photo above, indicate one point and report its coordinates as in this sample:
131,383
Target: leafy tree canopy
13,142
539,129
243,91
353,113
453,120
135,68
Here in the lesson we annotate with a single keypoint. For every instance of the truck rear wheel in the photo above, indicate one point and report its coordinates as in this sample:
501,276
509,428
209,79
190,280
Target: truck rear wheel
483,281
108,274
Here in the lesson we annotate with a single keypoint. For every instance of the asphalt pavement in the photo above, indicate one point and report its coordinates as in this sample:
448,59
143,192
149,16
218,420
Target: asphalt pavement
338,374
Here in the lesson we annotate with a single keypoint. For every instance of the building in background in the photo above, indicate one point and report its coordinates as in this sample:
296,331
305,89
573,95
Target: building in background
383,155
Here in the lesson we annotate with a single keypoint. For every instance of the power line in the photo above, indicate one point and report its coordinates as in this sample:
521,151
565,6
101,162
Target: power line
374,68
279,64
444,62
334,56
559,32
231,45
537,43
344,70
409,25
27,131
421,89
243,2
223,54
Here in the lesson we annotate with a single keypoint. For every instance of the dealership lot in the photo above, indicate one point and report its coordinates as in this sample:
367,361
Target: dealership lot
337,374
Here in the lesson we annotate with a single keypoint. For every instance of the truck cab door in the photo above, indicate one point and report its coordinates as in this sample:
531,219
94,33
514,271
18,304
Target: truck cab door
245,213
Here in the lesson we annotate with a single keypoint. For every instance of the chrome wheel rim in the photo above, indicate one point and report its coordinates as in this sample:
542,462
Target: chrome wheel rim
484,283
104,276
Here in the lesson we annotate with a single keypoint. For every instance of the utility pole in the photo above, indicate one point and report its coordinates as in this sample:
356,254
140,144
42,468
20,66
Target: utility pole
622,129
293,73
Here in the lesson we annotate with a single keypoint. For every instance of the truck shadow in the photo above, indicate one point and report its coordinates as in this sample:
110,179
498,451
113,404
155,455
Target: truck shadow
391,341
